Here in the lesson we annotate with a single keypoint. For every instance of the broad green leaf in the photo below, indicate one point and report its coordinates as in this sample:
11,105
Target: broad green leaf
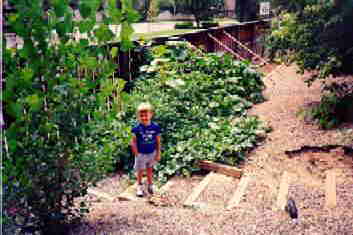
68,22
60,7
121,84
103,33
12,144
15,109
88,8
114,52
84,42
27,75
12,18
89,62
125,36
85,10
34,102
132,16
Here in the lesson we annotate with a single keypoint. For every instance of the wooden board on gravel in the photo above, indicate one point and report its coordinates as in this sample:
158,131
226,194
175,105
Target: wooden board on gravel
130,194
102,195
218,192
283,191
220,168
240,192
331,198
196,192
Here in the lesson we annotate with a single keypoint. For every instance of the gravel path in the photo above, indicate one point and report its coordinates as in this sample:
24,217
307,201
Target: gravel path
286,95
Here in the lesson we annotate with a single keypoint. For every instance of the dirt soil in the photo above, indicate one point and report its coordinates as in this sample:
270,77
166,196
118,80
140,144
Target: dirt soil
286,95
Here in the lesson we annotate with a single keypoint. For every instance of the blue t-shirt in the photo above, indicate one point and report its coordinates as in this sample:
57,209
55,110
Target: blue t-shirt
146,137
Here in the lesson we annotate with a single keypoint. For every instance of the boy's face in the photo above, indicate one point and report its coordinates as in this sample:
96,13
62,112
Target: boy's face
145,117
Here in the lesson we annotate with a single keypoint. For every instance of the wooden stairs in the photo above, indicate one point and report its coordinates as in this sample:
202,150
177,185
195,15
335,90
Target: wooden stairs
240,182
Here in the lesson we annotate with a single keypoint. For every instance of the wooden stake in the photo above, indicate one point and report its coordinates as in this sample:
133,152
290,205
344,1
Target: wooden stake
331,198
197,191
283,191
238,195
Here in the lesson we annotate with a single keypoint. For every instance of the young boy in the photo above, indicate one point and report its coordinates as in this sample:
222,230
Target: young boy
146,146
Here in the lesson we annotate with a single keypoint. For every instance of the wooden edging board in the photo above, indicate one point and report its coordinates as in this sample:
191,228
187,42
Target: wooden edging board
129,194
220,168
197,191
238,195
331,197
283,191
101,194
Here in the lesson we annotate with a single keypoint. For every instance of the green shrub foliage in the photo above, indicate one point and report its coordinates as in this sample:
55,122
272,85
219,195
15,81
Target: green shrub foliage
317,39
61,101
196,98
317,36
209,24
184,25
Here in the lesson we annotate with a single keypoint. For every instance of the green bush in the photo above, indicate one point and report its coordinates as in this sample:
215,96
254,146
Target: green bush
184,25
196,97
332,110
209,24
61,134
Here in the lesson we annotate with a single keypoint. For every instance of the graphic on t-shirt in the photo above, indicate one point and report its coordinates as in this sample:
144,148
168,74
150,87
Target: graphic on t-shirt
147,138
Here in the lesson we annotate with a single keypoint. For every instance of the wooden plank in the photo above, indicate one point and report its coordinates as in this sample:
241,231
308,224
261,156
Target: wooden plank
197,191
283,191
166,187
238,195
331,197
220,168
130,194
100,194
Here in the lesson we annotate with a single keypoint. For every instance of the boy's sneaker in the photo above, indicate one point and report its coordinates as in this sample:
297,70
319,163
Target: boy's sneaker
139,190
150,188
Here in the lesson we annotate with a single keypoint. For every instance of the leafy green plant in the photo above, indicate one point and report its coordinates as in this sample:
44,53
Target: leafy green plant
62,105
331,111
184,25
324,113
196,97
316,37
201,10
209,24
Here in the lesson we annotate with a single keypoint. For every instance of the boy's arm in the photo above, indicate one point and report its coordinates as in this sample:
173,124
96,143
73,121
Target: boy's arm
158,148
134,145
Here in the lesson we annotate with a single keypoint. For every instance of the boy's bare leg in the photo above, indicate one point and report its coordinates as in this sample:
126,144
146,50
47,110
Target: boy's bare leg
149,175
139,176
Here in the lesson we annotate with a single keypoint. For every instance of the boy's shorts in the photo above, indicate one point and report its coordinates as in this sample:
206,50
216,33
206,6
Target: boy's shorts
145,160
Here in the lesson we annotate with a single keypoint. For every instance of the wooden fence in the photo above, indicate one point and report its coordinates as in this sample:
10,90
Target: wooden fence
219,39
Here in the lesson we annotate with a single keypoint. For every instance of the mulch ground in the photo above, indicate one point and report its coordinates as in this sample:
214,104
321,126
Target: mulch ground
286,96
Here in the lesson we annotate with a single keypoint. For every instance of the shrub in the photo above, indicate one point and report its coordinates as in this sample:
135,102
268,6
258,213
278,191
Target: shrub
209,24
184,25
60,132
332,110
